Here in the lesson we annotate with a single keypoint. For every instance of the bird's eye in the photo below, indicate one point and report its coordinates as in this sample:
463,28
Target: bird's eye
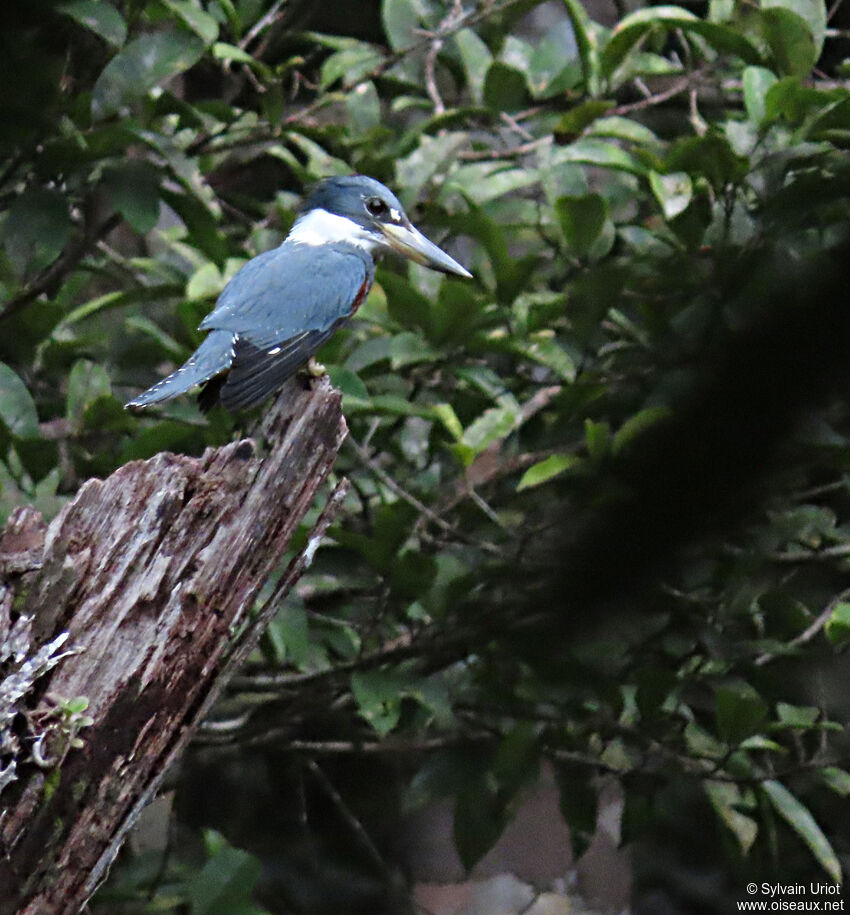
376,206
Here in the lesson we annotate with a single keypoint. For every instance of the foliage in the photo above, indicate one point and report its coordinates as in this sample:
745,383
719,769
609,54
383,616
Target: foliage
621,194
219,881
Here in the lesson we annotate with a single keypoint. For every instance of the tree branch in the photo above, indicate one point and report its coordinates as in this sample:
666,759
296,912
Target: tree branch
63,265
148,572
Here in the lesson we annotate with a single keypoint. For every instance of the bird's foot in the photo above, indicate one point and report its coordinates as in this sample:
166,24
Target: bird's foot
315,369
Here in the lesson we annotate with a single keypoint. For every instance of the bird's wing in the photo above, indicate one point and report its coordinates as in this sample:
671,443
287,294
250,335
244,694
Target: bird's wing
255,373
280,308
292,290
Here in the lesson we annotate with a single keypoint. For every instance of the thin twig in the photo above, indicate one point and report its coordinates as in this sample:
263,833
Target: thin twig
262,24
515,126
305,113
833,10
512,152
389,746
697,121
822,555
423,509
680,86
488,511
468,19
451,646
347,814
431,77
456,16
811,630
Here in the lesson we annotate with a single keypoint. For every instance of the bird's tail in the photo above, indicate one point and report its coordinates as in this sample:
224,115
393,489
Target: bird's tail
214,355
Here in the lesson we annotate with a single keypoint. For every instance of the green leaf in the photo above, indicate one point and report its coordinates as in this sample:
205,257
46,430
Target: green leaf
757,81
635,425
119,299
581,219
410,348
447,416
654,685
631,29
144,63
700,742
760,742
99,17
580,117
133,188
803,823
790,41
364,106
205,283
583,29
347,381
476,59
547,469
739,710
812,12
201,223
673,191
620,128
401,18
225,884
597,438
350,65
483,379
291,634
405,304
369,352
837,779
710,155
86,383
412,574
36,229
554,67
797,716
837,627
431,155
201,23
232,53
592,151
17,409
726,798
492,425
547,351
393,405
378,695
77,705
479,817
505,88
433,695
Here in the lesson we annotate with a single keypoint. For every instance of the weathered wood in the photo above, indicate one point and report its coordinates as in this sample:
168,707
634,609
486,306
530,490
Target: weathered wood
149,571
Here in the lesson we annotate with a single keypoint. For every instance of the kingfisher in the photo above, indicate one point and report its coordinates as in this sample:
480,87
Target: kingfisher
282,305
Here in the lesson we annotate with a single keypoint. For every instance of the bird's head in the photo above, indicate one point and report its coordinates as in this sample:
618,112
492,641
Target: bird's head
362,211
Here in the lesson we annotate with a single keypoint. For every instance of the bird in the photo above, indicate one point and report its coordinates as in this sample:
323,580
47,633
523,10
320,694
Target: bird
282,305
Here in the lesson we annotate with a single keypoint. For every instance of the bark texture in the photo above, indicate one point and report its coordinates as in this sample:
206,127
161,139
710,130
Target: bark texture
149,572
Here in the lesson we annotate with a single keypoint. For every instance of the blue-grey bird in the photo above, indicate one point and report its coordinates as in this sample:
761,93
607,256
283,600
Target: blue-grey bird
284,304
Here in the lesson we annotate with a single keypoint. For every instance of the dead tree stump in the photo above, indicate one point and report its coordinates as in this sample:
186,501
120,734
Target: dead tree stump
130,597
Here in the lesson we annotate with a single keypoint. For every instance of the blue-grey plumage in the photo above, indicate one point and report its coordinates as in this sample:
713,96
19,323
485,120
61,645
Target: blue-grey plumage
291,289
284,304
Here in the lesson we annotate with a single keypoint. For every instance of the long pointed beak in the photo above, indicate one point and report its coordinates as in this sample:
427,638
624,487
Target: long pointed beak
410,242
